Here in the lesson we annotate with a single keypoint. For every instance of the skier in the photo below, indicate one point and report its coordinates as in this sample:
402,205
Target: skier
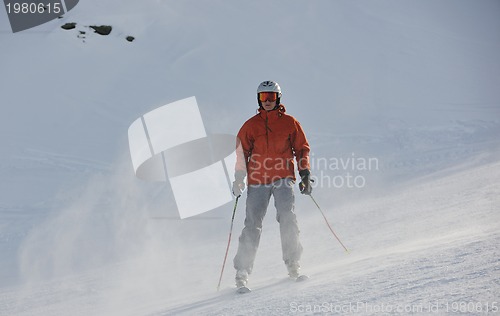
266,146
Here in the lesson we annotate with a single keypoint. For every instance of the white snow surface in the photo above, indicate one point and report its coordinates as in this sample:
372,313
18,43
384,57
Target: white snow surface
399,97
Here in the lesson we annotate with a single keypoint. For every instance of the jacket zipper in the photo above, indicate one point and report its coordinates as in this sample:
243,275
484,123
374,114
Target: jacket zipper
267,133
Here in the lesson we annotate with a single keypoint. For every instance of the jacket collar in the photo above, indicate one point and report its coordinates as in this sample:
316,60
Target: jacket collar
273,113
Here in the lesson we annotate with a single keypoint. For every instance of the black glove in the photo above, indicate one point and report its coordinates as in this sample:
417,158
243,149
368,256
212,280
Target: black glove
305,183
239,183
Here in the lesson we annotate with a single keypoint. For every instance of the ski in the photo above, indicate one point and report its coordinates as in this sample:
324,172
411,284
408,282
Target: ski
302,278
243,290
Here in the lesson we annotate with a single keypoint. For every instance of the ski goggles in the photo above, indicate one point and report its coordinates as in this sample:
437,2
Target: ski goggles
268,96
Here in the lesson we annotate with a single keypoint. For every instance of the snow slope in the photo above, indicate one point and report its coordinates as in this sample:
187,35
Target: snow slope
410,84
426,246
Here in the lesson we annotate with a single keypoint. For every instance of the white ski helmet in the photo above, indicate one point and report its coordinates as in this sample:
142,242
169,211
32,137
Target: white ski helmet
269,86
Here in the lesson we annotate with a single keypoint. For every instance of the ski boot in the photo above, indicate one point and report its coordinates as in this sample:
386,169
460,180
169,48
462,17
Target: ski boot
293,269
241,280
293,272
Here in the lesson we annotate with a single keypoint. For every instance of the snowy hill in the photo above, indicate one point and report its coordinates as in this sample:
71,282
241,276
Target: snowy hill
410,85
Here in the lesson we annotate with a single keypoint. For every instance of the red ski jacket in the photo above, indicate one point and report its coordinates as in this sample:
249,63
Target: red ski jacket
267,144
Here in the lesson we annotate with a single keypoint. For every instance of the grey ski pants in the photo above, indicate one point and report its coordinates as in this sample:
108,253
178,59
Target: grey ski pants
258,197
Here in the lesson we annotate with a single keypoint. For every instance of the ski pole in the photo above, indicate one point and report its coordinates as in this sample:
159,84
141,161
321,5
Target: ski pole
228,242
328,224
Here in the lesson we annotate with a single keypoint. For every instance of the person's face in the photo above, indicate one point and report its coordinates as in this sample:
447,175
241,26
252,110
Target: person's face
269,105
268,100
